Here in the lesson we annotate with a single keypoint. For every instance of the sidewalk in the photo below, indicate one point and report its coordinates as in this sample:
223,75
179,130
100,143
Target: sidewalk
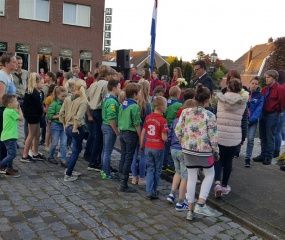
40,205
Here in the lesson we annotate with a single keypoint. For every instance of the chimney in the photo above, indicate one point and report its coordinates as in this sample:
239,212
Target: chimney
270,40
249,58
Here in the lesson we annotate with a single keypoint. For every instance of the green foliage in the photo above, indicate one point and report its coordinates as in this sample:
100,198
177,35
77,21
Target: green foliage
146,64
277,59
262,82
171,59
163,69
217,77
187,71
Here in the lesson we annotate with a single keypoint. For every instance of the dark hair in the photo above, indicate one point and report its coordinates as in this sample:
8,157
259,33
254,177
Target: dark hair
74,65
132,89
7,98
255,78
156,71
159,89
201,63
19,58
50,89
96,75
235,85
6,58
202,93
146,74
112,83
188,93
281,78
232,74
51,75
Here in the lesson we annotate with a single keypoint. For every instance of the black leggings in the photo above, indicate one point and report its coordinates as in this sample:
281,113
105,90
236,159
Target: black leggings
226,158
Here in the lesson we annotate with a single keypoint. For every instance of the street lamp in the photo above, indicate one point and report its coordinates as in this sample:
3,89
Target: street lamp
214,57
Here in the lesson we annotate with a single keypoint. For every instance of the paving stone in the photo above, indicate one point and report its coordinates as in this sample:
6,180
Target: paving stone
241,236
15,219
247,232
86,235
4,227
77,227
27,234
45,233
223,237
204,236
63,233
4,220
57,226
51,219
10,235
233,232
234,225
30,214
128,237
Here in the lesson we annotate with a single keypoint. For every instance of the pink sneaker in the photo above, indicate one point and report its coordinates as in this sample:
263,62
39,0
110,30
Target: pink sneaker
226,190
218,191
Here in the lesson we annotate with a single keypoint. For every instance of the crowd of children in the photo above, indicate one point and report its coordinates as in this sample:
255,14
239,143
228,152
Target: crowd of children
148,128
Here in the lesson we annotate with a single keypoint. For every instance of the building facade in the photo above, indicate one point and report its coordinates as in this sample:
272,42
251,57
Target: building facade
53,34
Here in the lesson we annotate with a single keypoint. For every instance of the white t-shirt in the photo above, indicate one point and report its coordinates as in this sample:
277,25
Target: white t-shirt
8,81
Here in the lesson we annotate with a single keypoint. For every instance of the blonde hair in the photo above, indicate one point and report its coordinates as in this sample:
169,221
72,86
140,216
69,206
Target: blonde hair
80,86
68,83
57,90
173,91
159,102
190,103
145,97
122,95
34,78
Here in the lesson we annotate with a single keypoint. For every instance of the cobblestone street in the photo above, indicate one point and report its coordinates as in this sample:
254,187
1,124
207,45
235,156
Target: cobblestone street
40,205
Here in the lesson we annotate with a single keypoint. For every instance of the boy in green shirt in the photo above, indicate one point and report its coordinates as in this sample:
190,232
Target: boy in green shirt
173,106
130,131
9,135
110,111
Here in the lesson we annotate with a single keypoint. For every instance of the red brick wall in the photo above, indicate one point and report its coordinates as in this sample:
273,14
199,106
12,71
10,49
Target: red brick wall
53,33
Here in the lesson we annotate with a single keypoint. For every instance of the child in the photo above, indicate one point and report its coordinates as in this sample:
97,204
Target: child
57,131
197,133
188,93
145,110
33,112
173,105
130,131
155,128
255,105
180,176
110,111
72,116
122,95
9,135
158,91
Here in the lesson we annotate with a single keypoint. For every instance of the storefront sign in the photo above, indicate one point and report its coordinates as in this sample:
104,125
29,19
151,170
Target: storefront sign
85,54
45,50
22,48
107,32
65,53
3,46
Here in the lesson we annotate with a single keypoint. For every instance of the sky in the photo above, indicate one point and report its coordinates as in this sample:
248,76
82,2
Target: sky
185,27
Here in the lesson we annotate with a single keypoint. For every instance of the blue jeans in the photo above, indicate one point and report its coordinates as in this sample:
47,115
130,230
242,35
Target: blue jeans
154,161
98,138
109,139
278,136
179,163
129,141
166,154
90,139
77,139
11,146
142,164
267,129
250,139
3,151
57,132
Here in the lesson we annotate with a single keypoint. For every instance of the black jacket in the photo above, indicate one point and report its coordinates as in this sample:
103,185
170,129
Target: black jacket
33,104
206,81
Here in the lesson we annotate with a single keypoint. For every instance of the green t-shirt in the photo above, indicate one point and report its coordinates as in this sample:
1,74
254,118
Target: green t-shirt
110,109
54,109
129,118
171,111
10,125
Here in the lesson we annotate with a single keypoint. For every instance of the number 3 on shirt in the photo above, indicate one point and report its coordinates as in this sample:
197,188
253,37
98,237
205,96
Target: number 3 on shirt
151,130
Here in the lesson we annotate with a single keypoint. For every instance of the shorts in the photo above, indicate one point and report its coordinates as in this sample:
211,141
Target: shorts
179,163
33,119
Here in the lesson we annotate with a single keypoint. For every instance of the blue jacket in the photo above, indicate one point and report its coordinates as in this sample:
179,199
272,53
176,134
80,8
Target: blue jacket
255,105
172,138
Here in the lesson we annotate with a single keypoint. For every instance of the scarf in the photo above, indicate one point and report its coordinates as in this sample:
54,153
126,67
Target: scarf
128,102
171,101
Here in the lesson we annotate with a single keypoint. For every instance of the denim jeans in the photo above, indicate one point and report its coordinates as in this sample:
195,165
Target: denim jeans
98,138
57,133
179,163
250,139
77,139
11,146
129,141
3,151
267,129
278,135
142,163
154,161
90,139
43,125
109,139
166,154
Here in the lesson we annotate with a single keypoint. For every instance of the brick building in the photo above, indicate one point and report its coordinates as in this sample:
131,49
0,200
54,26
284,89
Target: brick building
53,34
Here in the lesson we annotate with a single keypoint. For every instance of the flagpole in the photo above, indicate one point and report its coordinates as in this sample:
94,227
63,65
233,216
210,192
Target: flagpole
153,34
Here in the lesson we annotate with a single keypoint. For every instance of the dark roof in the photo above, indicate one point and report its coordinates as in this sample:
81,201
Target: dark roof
228,63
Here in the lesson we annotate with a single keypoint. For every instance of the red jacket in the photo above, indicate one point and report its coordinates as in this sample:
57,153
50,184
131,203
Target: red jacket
273,100
136,77
154,84
81,75
89,81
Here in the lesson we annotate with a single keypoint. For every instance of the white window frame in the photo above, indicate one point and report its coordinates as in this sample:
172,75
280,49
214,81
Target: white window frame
2,4
34,12
77,17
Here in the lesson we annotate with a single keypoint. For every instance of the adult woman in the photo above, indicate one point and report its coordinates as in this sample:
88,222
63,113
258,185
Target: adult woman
9,63
145,75
177,73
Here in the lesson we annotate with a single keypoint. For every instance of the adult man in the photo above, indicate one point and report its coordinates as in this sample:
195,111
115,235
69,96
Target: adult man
73,73
9,62
135,76
154,82
203,77
122,79
269,119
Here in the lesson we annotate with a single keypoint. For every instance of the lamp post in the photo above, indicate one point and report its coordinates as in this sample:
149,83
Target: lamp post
214,57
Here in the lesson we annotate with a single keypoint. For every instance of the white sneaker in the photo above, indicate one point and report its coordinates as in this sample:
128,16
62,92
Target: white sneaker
69,178
226,190
74,173
190,216
205,210
283,143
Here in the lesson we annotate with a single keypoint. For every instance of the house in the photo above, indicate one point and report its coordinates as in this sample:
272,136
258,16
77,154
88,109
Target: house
53,34
254,62
137,59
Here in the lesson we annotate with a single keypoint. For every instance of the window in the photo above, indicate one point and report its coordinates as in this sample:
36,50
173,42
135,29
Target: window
2,7
75,14
34,10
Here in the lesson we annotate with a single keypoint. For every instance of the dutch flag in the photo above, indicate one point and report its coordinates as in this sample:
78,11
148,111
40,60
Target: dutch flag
153,34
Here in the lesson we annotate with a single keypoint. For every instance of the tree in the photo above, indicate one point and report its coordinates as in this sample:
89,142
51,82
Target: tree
146,65
277,59
171,59
217,77
187,71
163,69
201,55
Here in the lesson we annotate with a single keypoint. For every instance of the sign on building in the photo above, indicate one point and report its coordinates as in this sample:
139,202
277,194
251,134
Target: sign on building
107,30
